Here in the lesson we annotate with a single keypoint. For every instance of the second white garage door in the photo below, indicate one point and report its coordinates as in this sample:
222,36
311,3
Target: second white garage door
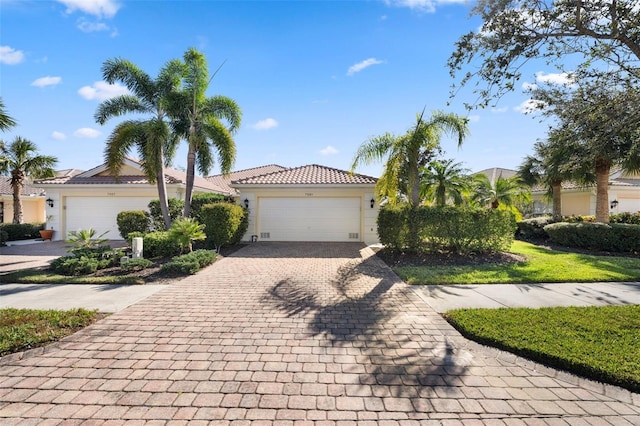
309,219
100,213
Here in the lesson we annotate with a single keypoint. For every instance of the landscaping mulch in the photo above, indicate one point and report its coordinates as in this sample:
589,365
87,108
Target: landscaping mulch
395,259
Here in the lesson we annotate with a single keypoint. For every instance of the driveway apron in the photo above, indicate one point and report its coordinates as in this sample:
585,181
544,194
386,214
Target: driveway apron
292,333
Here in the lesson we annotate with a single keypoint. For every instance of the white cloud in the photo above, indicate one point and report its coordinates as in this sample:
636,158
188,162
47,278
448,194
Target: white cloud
564,78
422,5
266,124
46,81
499,110
102,90
59,136
91,27
10,56
86,133
529,106
474,118
529,86
99,8
362,65
329,150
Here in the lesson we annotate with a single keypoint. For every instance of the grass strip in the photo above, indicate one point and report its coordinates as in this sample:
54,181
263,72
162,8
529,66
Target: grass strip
40,276
22,329
601,343
542,266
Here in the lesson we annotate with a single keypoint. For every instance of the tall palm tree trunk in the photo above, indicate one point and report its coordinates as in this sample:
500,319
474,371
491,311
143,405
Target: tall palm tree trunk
191,166
17,202
603,168
556,190
162,196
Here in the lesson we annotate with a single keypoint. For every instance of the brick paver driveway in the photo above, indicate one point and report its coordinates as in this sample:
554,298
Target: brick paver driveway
281,333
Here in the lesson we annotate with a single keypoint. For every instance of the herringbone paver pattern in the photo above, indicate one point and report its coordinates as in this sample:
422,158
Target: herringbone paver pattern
292,334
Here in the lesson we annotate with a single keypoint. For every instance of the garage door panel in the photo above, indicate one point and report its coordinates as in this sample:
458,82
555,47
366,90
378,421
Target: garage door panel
100,213
310,219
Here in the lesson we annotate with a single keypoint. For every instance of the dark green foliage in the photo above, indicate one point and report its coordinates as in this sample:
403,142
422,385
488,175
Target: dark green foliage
72,265
21,231
534,228
448,229
225,223
630,218
615,237
156,244
176,207
132,221
189,264
200,200
4,237
136,264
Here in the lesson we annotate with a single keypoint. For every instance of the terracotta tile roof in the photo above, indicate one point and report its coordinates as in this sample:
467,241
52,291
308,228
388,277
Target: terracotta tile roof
312,174
496,172
27,189
224,182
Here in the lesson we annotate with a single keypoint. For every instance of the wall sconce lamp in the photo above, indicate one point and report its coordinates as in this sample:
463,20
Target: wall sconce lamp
373,202
49,202
246,203
614,204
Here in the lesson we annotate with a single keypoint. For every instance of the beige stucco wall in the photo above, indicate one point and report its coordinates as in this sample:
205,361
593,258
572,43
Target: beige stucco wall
368,227
33,209
577,204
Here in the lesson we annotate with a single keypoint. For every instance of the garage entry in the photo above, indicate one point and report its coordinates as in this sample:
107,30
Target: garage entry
309,219
100,213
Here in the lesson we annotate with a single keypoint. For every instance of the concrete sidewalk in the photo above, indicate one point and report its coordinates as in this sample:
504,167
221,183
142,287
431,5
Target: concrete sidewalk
443,298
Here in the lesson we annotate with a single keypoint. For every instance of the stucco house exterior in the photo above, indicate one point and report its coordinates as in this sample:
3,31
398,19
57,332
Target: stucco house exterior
33,202
309,203
93,199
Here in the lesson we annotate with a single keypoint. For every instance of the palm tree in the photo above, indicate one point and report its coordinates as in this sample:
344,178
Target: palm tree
6,122
444,180
506,192
406,154
152,136
198,119
22,162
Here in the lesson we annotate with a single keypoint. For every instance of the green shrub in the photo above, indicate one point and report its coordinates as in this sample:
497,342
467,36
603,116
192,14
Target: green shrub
132,221
156,244
225,223
136,264
21,231
97,252
200,200
450,229
615,237
176,208
184,231
86,238
626,217
189,264
4,237
533,228
72,265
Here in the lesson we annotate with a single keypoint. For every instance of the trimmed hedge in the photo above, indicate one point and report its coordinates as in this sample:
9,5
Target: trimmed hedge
189,264
614,237
86,260
176,208
225,223
200,200
132,221
534,228
630,218
450,229
156,244
21,231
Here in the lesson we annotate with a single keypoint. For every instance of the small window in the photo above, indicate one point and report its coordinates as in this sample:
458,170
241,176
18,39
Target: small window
265,235
353,236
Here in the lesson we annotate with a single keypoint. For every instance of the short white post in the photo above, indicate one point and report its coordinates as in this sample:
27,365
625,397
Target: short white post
136,248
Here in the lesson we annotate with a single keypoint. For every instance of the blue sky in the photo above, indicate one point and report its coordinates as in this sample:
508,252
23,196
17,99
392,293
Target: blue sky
314,79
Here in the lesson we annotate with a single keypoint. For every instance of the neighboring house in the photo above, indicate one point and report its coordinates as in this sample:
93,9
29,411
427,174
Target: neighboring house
33,202
577,200
93,199
308,203
497,172
224,181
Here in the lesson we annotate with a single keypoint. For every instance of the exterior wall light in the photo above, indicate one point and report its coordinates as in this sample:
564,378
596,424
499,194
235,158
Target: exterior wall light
49,202
614,204
373,202
246,203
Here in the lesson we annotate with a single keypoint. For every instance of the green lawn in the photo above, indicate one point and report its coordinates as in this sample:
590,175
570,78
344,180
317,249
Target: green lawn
602,343
22,329
542,266
41,276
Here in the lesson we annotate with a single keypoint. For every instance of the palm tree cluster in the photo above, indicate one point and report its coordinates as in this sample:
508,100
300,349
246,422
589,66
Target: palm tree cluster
21,161
175,107
415,173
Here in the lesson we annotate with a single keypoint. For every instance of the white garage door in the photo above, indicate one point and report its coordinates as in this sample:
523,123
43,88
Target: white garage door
100,213
309,219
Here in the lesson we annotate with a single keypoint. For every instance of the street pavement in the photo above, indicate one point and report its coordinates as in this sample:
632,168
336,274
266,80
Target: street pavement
292,334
